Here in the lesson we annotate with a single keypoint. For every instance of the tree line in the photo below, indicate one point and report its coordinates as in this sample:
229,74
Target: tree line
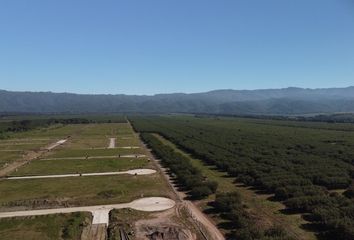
186,175
23,125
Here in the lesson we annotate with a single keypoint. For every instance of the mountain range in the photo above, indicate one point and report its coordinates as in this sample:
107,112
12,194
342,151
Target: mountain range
285,101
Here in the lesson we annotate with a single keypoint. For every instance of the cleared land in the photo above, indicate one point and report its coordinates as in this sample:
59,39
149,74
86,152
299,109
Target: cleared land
82,153
79,191
93,152
66,166
59,226
19,144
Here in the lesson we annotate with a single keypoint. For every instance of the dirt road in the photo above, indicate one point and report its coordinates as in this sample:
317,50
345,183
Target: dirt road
29,156
206,227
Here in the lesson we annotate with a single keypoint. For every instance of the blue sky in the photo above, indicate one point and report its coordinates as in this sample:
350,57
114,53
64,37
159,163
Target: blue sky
162,46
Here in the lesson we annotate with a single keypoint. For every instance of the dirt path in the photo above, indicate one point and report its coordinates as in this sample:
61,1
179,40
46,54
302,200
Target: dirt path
200,217
206,227
94,232
130,172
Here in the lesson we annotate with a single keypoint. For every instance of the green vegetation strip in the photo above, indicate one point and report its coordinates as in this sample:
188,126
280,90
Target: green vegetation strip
93,152
66,166
189,177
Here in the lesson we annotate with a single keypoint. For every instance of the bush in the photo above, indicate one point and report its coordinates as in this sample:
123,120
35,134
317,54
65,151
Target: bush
225,202
200,192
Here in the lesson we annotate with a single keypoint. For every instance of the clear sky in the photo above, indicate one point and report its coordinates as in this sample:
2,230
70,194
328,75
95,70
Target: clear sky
163,46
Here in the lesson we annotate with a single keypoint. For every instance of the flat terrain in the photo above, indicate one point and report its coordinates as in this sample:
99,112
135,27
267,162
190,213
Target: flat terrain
289,174
66,166
84,152
267,212
85,190
59,226
67,153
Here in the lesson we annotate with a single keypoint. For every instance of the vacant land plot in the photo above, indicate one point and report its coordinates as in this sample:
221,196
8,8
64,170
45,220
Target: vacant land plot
66,166
58,131
127,142
9,156
79,191
60,226
85,190
21,146
19,143
67,153
83,152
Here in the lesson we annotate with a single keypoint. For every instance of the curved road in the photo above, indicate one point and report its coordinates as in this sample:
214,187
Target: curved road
101,213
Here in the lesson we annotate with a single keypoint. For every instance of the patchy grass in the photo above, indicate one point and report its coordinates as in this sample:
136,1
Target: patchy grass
8,157
75,191
67,153
53,131
124,219
66,166
58,226
80,191
22,146
87,143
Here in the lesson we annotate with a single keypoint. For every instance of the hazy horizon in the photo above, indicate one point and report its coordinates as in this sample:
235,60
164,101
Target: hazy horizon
161,93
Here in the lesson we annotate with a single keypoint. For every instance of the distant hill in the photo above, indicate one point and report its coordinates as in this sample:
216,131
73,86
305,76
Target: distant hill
268,101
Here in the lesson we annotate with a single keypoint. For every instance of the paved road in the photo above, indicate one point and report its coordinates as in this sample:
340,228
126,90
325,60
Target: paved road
101,213
96,157
54,145
130,172
112,143
97,148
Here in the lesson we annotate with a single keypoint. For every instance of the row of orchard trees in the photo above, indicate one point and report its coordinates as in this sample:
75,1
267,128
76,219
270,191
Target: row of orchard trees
231,207
299,165
187,176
